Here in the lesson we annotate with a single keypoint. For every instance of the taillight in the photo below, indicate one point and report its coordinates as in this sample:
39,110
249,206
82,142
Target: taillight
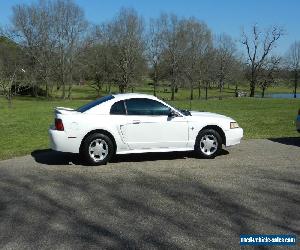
59,124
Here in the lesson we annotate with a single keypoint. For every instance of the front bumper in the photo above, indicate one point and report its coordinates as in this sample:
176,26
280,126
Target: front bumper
59,141
233,136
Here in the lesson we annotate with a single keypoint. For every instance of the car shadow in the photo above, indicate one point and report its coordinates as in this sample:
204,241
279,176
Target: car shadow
50,157
292,141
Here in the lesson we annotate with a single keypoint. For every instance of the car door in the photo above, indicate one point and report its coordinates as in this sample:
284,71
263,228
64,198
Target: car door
147,126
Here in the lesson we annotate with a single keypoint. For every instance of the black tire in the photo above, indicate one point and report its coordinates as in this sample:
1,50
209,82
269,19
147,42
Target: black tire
94,140
214,140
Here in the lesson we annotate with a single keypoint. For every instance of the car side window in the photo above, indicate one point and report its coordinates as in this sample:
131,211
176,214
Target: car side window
144,106
118,108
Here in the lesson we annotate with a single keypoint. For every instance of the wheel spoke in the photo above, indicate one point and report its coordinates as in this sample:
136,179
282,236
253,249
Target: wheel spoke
98,149
208,144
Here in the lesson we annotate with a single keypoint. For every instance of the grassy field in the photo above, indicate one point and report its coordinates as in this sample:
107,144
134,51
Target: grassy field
23,128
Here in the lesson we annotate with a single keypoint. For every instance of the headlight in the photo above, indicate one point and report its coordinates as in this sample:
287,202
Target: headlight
234,125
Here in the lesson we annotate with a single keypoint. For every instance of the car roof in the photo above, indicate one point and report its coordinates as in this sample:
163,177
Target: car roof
104,108
133,95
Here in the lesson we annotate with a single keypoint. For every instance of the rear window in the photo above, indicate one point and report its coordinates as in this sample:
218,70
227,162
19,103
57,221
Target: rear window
95,103
118,108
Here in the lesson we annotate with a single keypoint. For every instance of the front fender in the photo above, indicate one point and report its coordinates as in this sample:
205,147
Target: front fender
196,127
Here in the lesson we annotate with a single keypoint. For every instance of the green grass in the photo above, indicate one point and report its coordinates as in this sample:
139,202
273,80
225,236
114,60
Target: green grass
260,118
24,127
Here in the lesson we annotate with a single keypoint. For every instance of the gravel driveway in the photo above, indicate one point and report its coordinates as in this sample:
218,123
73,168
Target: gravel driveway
173,200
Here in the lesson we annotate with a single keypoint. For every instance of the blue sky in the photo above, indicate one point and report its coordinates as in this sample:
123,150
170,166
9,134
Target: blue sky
228,16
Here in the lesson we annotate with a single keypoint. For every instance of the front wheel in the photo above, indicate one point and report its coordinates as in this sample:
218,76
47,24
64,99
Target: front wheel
97,149
208,144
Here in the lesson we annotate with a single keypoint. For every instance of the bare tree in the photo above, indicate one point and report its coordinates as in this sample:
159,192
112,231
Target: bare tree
209,69
30,25
258,46
174,50
50,32
69,25
293,60
267,76
127,44
237,74
225,59
97,58
12,63
155,48
197,43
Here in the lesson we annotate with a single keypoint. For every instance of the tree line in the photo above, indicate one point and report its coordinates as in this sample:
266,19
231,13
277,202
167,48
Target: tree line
50,45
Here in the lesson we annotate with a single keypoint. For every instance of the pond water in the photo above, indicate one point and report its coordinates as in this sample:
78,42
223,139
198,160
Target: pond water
280,95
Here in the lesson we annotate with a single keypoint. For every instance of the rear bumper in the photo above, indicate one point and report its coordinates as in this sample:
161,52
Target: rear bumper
233,136
59,141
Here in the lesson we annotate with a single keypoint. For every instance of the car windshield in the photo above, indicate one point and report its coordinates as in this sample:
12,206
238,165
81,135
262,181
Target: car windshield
95,103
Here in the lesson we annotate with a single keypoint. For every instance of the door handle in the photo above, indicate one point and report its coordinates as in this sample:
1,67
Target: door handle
136,122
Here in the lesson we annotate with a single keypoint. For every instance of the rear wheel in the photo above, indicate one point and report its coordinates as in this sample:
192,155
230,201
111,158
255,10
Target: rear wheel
97,149
208,144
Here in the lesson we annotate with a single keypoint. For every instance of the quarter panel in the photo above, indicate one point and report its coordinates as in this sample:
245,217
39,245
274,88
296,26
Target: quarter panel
85,123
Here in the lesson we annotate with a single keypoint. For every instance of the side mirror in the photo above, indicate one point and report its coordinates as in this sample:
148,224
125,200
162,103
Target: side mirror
186,112
172,113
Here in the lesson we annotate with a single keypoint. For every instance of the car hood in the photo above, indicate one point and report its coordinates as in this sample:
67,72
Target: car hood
197,114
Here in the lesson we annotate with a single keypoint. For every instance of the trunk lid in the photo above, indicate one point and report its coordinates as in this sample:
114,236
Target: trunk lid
65,111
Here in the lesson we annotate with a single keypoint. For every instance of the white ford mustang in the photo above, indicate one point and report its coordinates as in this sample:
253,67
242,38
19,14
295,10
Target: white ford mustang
138,123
